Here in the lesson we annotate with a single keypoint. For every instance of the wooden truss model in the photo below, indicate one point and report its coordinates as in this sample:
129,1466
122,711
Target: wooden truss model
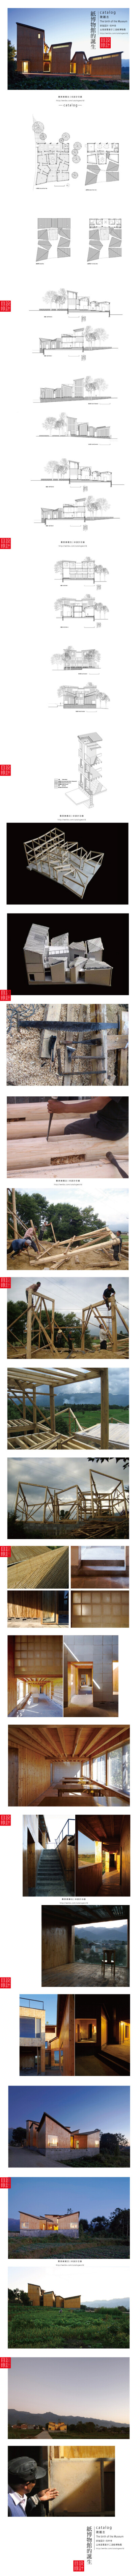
52,854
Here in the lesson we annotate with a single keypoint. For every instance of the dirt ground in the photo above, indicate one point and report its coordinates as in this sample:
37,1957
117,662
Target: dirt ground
25,1065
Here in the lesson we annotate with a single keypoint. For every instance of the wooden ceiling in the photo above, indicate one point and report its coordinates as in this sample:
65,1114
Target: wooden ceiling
67,1743
103,1829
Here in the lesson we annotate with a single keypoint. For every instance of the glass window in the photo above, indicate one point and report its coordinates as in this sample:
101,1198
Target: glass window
99,1768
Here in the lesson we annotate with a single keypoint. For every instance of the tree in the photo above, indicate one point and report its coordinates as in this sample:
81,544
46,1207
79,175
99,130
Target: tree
12,57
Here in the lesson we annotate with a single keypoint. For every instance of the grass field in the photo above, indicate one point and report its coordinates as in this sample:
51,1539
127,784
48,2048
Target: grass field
100,2245
89,2328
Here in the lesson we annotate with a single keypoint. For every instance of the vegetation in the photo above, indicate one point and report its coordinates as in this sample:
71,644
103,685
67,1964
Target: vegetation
11,54
58,2331
103,2237
62,1215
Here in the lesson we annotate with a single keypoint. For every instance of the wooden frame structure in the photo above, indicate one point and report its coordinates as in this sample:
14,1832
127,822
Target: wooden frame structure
46,1432
53,854
36,1301
76,1251
107,1512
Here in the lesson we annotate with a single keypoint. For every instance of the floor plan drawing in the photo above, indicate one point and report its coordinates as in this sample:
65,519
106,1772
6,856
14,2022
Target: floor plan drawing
102,163
52,159
53,235
105,233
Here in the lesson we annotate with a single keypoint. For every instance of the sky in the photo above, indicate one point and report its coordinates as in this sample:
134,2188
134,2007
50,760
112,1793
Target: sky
17,2281
90,2106
69,1295
98,2386
52,1822
76,1388
48,2001
108,1200
34,1478
57,23
96,2195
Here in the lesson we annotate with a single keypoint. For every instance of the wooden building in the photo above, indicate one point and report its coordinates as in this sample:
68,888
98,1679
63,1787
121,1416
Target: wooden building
91,1681
81,1947
50,2225
58,1761
102,2035
48,2136
52,2298
35,1671
47,2047
30,49
100,1586
102,1856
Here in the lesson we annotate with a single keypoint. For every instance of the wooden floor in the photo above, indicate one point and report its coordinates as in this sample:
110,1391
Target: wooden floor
35,1566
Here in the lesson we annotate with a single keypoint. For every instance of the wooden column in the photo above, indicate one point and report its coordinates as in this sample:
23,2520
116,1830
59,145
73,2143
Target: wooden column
83,1330
52,1325
45,1500
24,1409
104,1409
114,1321
124,1500
14,1211
40,1323
91,1492
52,1407
29,1323
7,1218
34,1409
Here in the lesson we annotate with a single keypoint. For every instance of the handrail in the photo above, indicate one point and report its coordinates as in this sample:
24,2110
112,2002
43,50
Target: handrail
59,1838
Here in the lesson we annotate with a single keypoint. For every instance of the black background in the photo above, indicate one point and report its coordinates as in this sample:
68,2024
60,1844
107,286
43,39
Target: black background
112,838
112,928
